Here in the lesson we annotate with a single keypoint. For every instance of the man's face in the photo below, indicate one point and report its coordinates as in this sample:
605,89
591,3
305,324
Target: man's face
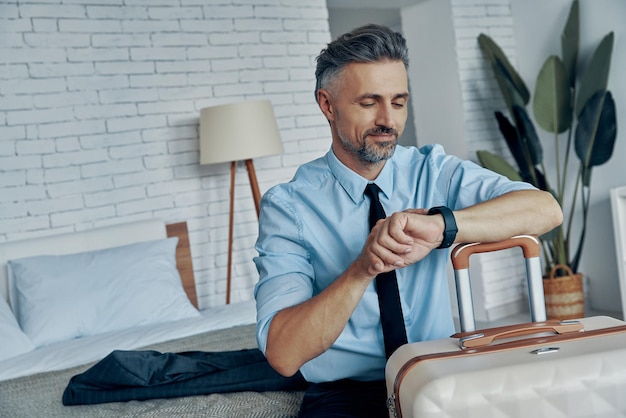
367,108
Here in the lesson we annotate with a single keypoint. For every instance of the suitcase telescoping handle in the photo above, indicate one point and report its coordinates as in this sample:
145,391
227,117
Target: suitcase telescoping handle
460,262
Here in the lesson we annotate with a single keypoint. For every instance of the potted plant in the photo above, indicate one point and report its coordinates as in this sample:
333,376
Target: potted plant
580,113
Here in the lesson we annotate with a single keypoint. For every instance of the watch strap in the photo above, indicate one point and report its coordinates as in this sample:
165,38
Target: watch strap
450,229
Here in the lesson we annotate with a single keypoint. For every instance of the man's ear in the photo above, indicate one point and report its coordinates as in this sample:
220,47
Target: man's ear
325,103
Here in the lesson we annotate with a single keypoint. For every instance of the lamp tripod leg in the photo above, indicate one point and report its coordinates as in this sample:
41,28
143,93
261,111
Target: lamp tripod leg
233,169
256,196
254,185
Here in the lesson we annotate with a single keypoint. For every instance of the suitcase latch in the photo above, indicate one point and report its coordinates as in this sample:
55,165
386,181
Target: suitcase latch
545,350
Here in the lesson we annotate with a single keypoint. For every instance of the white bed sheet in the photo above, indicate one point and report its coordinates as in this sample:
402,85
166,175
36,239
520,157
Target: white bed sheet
79,351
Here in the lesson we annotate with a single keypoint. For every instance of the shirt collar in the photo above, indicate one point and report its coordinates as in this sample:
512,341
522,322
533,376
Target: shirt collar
353,183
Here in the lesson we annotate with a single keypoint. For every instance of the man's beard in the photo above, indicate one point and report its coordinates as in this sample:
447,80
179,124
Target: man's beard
372,152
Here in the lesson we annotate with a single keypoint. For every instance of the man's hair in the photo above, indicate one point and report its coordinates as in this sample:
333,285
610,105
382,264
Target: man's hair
365,44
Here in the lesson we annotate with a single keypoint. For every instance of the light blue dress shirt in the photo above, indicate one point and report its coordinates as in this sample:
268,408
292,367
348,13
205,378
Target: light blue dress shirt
312,228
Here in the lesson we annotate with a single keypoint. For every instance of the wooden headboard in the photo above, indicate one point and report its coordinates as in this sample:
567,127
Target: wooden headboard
183,259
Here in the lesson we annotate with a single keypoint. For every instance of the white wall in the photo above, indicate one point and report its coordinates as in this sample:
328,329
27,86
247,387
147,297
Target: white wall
344,20
99,104
455,92
434,75
538,25
480,93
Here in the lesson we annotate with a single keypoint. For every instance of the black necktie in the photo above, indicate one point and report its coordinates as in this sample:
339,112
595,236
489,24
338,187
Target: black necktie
387,287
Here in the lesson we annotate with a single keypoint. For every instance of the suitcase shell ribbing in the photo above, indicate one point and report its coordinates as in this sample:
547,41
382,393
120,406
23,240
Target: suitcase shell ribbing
537,369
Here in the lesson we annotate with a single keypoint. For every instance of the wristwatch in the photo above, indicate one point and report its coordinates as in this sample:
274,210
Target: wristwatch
449,229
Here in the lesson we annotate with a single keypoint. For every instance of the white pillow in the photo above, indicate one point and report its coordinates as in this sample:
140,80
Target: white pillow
13,341
61,297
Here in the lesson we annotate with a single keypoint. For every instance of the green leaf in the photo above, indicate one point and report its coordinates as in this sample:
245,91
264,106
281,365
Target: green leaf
570,41
529,135
511,136
596,131
507,76
552,99
596,76
497,164
509,92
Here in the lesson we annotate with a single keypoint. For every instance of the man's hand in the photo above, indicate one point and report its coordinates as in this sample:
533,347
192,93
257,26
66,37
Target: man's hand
400,240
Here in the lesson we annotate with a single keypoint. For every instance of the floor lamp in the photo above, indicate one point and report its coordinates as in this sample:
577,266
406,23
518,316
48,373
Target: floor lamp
235,132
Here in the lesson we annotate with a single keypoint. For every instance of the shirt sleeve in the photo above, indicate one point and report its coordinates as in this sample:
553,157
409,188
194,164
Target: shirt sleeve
464,183
285,272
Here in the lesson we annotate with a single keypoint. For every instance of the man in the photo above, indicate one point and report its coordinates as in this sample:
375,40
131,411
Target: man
317,303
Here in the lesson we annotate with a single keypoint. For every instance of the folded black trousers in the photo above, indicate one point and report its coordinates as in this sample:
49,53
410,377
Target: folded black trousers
144,374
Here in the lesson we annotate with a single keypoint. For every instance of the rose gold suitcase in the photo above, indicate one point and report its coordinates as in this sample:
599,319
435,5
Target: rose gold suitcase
536,369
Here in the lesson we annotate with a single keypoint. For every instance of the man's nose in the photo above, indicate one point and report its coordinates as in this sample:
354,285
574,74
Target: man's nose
384,116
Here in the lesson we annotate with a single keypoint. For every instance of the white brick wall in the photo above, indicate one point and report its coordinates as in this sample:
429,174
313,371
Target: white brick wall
481,96
99,105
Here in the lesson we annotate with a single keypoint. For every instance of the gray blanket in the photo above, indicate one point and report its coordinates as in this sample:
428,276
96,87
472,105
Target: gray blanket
40,395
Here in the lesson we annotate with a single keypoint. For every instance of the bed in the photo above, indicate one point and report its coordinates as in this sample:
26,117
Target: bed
69,300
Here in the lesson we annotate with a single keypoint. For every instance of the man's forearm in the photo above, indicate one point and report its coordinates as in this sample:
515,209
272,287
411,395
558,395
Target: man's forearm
303,332
522,212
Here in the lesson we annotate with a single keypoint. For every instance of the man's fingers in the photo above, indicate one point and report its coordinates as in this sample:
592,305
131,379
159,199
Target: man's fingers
396,242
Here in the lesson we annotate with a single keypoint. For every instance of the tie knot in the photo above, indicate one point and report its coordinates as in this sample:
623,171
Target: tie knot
371,191
376,209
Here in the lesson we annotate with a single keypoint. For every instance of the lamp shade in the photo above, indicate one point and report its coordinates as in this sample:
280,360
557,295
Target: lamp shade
238,131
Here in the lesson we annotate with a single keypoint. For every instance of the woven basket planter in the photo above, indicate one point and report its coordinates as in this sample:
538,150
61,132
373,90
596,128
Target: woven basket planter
565,298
